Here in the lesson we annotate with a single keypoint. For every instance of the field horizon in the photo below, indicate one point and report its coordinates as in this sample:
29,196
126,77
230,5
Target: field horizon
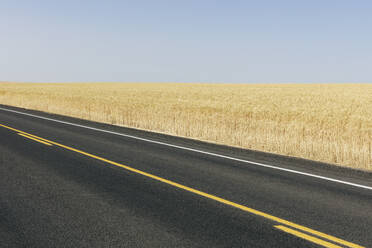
329,123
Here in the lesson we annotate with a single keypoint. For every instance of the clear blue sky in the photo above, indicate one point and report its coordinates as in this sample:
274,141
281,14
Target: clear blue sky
186,41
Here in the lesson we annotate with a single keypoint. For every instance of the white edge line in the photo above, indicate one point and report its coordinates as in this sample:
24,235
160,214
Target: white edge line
195,150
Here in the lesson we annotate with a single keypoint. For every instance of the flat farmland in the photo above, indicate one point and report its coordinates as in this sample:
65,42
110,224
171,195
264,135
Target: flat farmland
323,122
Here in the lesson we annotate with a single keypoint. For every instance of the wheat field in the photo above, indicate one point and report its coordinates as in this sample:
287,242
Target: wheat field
324,122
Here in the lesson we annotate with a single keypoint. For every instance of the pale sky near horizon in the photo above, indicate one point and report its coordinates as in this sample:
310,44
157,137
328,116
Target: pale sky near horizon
186,41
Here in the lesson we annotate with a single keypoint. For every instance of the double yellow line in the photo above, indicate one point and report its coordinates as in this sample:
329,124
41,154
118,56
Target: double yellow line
307,233
35,139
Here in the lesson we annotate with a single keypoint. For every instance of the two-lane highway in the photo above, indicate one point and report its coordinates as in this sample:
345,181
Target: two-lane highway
72,183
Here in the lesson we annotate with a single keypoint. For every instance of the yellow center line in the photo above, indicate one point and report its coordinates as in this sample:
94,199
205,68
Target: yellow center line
200,193
307,237
37,140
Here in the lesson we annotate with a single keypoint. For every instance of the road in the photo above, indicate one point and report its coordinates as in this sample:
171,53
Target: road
67,182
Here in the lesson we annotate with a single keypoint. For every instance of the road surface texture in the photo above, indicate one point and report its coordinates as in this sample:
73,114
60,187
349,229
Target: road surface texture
67,182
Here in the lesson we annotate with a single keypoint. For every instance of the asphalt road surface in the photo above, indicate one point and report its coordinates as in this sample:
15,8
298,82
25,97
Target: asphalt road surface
66,182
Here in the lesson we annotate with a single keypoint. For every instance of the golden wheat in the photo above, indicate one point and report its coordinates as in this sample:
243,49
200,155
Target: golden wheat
324,122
